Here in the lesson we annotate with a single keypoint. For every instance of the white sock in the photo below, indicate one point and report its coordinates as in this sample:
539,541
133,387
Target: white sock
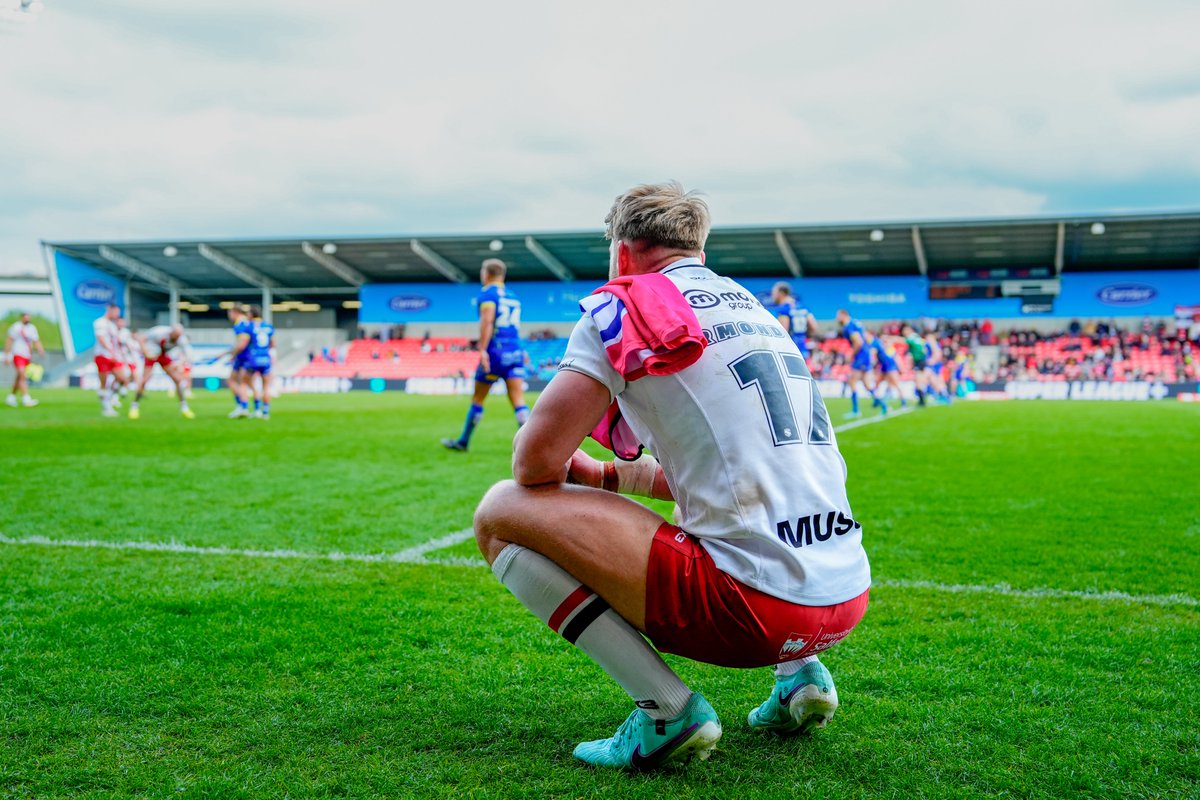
788,668
583,618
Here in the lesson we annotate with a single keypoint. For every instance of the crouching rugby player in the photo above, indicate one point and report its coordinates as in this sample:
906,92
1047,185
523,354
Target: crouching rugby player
766,567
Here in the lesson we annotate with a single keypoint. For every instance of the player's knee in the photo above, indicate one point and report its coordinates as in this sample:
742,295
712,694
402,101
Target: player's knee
490,516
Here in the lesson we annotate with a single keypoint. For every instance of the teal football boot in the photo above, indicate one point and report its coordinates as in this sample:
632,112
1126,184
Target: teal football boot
642,743
799,702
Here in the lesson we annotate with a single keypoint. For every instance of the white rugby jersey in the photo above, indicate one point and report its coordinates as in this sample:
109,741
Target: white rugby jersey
158,341
23,336
746,445
108,338
129,347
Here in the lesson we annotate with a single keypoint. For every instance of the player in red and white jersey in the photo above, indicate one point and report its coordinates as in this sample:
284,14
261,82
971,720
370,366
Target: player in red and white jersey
131,351
109,358
19,345
766,567
168,347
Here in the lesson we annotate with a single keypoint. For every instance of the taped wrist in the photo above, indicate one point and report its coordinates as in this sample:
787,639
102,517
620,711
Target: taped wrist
636,477
609,481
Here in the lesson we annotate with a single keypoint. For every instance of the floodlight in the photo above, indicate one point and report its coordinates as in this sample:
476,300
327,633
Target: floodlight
1097,228
877,235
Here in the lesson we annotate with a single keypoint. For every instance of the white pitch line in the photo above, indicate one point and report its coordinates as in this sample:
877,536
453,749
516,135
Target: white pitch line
416,555
1038,593
449,540
413,555
858,423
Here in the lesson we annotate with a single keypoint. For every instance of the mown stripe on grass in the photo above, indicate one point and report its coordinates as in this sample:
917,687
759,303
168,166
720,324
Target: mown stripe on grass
418,555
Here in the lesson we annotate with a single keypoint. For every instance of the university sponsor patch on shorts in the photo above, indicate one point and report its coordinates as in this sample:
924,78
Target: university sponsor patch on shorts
794,646
828,640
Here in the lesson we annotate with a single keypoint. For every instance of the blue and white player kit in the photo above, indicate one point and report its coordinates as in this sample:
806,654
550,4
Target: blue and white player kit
262,339
503,358
243,327
860,365
796,324
505,355
862,358
243,331
258,364
885,355
889,368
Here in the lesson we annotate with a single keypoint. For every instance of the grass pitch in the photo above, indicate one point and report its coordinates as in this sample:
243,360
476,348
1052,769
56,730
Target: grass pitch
989,664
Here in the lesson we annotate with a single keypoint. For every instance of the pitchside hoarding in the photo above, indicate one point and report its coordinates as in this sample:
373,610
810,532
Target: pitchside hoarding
84,292
1084,296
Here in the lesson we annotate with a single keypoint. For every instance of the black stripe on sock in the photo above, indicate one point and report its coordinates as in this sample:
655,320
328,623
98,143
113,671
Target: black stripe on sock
586,616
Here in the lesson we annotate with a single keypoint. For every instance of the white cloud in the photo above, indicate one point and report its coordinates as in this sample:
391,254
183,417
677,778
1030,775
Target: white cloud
137,118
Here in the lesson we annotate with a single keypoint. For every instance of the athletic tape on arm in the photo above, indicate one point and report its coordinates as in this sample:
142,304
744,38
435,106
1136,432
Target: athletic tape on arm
637,477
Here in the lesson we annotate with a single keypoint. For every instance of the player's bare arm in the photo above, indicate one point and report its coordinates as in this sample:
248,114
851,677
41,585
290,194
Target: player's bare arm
643,476
487,326
567,411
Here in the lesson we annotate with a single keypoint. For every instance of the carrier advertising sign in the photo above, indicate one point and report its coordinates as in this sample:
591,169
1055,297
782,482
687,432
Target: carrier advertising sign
1126,294
85,292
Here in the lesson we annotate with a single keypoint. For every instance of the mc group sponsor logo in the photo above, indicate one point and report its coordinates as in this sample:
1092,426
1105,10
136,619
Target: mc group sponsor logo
95,292
698,298
1126,294
408,302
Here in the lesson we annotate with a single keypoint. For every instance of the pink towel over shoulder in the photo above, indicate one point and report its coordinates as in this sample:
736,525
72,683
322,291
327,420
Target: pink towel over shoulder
647,328
646,325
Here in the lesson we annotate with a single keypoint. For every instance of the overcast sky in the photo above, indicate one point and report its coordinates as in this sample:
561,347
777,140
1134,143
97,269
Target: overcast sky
180,118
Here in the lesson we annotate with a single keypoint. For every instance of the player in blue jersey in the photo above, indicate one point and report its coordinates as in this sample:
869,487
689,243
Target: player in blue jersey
962,378
934,360
860,365
258,363
889,368
794,318
239,368
501,356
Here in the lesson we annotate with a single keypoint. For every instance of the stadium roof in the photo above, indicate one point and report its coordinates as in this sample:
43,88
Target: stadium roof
339,264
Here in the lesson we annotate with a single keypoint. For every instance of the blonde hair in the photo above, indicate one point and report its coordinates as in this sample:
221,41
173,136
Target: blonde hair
494,268
659,214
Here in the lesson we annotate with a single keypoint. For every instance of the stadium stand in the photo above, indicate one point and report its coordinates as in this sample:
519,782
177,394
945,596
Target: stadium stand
1094,352
1031,271
441,357
1117,356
